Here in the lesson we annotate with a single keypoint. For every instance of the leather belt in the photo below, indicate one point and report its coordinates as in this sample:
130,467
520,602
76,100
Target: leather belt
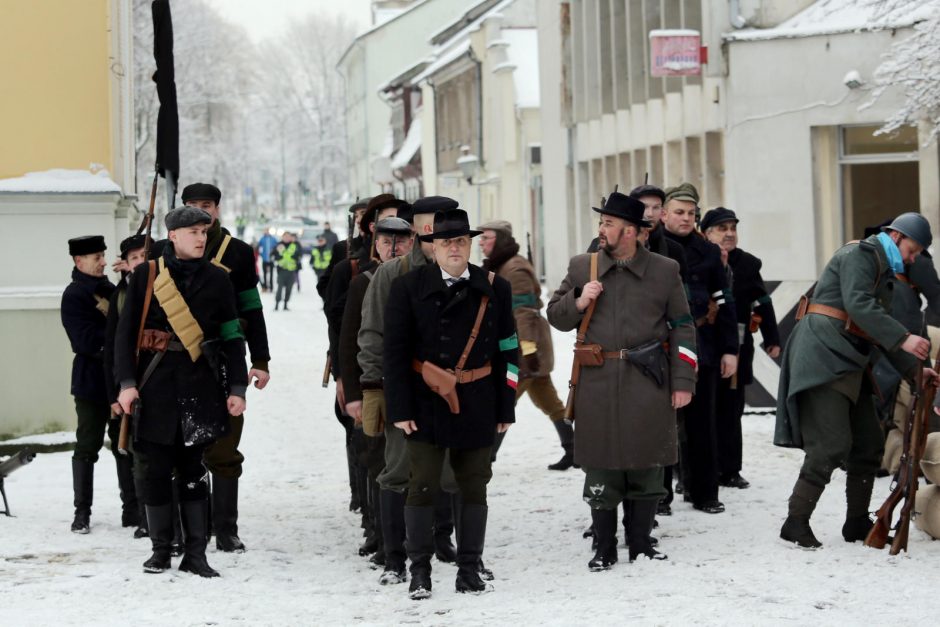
463,376
841,316
624,353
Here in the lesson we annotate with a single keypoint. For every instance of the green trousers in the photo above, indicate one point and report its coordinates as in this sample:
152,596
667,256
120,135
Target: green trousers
838,433
606,489
472,471
222,457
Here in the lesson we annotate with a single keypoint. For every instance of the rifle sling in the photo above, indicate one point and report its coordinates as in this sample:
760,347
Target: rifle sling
217,259
582,330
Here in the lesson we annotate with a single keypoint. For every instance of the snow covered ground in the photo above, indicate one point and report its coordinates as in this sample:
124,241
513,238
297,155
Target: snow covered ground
301,566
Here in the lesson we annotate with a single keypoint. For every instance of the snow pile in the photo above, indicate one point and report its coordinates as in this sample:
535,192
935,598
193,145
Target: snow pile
59,181
301,567
827,17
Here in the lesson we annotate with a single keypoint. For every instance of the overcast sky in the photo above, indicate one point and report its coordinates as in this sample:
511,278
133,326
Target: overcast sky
263,18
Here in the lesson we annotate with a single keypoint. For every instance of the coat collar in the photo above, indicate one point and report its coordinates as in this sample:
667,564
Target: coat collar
432,282
637,265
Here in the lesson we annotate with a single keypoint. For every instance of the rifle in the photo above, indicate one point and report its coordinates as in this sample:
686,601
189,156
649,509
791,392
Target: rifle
905,486
578,343
14,463
145,226
528,244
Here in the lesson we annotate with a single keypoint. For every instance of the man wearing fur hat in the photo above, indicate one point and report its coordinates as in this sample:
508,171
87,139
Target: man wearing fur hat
501,253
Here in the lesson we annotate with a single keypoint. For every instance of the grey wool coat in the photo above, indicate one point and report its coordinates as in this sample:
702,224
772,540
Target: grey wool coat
625,421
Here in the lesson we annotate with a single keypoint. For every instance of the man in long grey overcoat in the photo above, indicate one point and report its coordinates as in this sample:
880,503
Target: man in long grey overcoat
626,407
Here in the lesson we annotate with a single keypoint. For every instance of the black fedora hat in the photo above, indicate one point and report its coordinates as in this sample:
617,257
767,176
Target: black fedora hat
450,223
624,207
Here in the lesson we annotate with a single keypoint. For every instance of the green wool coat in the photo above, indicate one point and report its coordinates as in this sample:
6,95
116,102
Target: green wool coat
859,281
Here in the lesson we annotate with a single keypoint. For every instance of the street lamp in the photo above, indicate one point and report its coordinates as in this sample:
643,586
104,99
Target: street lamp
467,163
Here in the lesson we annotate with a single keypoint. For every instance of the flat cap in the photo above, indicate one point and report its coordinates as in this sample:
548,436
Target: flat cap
683,191
433,204
393,226
201,191
497,225
716,216
132,243
182,217
648,190
86,245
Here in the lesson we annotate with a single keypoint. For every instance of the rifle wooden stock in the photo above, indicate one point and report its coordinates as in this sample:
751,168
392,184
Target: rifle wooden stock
123,435
326,370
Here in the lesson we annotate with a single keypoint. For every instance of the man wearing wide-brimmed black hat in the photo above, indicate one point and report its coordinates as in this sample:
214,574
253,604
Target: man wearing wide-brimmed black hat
451,371
639,342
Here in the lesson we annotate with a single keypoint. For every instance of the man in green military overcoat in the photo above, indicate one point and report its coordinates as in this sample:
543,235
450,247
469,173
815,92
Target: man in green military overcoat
824,403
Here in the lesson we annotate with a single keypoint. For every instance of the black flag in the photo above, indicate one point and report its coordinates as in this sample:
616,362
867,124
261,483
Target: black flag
168,124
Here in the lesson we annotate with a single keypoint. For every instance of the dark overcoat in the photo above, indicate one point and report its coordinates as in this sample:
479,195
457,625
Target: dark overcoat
426,320
84,319
180,390
750,296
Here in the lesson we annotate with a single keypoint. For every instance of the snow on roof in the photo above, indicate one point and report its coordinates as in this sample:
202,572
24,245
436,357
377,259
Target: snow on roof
410,146
384,15
523,52
827,17
60,181
443,59
378,26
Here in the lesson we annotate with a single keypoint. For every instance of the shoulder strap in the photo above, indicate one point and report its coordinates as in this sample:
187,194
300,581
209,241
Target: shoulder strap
582,330
217,260
148,295
476,327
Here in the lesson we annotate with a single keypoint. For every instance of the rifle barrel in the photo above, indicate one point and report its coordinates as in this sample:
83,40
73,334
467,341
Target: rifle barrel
15,462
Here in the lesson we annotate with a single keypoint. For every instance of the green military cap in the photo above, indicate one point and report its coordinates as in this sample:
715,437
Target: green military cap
682,191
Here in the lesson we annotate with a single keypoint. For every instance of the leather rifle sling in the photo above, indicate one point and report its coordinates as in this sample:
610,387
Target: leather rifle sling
217,260
476,328
151,275
582,330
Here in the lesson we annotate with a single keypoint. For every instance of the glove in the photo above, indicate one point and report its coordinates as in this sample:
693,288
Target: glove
373,412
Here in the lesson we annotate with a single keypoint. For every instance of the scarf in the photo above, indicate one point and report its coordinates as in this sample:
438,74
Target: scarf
891,250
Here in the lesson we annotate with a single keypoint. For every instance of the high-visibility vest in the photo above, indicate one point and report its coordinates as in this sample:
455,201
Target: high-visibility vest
288,260
321,258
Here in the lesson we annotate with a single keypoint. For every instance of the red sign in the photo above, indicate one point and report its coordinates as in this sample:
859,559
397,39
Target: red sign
675,53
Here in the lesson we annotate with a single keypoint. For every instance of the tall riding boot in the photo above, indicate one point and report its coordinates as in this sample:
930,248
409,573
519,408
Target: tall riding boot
83,485
393,534
802,503
375,507
857,500
355,498
444,549
225,514
642,514
497,442
160,525
143,528
195,515
470,549
371,544
419,523
176,547
566,436
605,531
130,512
456,502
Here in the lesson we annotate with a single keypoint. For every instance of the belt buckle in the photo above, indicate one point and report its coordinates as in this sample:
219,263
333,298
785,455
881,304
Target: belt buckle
625,354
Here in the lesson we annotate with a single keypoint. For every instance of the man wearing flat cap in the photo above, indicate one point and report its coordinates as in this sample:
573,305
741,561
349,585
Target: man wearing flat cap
393,479
183,384
755,311
237,259
450,364
501,253
712,309
84,313
640,342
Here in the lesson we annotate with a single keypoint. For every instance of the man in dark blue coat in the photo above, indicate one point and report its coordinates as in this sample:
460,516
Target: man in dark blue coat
84,315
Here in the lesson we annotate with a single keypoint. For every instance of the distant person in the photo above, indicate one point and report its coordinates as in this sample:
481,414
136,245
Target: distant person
331,237
320,256
265,248
287,257
240,223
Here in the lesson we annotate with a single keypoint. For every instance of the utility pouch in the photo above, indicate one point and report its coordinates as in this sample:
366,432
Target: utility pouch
154,340
802,307
756,319
589,354
652,360
443,383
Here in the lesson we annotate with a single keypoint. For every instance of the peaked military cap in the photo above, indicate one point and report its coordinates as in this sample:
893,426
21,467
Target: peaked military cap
201,191
86,245
683,191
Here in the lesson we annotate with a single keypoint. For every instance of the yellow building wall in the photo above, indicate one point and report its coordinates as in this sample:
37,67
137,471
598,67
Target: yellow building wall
55,105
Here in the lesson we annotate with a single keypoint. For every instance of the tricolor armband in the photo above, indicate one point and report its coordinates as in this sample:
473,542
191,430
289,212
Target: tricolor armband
687,354
512,375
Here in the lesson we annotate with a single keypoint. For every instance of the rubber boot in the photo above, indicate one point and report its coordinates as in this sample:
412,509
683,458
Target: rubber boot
566,436
803,501
143,529
470,549
195,516
130,510
857,501
392,517
642,514
419,523
225,514
444,549
160,524
605,532
83,486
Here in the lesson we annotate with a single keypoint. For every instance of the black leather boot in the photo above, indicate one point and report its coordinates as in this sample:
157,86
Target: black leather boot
456,502
444,549
642,513
143,529
130,510
225,514
419,523
605,532
857,501
195,516
355,498
470,549
796,528
566,436
160,524
393,535
176,547
375,509
83,486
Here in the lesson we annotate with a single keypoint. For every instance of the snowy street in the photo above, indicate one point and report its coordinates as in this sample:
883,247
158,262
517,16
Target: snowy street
302,568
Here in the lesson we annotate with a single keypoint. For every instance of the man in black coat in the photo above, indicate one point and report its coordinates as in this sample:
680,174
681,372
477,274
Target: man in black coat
84,311
712,309
350,247
754,310
429,320
190,378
